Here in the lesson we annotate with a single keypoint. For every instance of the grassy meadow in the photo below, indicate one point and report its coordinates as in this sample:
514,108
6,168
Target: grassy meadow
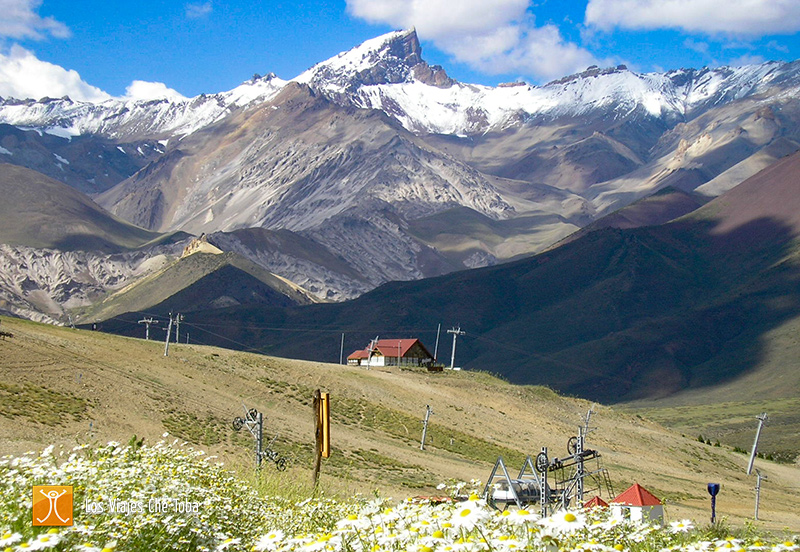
71,388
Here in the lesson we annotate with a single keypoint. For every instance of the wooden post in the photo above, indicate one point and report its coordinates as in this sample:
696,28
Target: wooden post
317,437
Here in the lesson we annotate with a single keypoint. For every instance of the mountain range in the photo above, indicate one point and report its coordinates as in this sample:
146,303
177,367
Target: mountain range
375,167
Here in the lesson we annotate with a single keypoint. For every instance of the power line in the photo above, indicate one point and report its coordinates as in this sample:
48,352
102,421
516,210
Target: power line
247,348
299,329
147,322
547,358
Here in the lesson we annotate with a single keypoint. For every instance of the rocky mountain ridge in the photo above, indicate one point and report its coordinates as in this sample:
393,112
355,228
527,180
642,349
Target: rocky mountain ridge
374,166
388,73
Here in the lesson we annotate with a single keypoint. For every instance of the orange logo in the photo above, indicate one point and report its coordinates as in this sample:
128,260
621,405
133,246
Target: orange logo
52,505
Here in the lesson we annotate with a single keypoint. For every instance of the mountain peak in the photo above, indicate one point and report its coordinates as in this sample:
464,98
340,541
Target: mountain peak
392,58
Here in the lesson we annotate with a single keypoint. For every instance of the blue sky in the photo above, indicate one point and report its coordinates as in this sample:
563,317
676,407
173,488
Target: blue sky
96,47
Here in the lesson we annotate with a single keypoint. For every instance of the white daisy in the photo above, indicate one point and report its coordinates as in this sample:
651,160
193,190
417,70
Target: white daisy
681,526
270,541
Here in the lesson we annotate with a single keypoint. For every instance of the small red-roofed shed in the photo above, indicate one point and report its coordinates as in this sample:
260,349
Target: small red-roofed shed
638,504
595,502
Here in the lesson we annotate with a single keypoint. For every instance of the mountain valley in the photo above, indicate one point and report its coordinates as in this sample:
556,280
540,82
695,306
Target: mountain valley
619,236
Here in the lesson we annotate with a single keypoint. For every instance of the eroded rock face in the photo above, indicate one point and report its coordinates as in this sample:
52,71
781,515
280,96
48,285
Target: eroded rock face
43,284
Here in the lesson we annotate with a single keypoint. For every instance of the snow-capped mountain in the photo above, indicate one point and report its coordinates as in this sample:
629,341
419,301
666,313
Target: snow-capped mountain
388,73
135,119
375,166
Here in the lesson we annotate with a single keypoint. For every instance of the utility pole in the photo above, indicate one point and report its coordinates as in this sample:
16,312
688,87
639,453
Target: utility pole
579,473
456,332
169,331
147,322
399,343
759,477
341,351
178,318
436,348
761,419
428,412
586,421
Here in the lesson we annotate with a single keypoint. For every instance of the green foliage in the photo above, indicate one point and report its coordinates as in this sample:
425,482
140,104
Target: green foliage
186,502
41,405
206,430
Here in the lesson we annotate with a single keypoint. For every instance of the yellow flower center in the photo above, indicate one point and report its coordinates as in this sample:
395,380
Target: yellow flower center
352,517
523,513
570,517
438,535
465,512
619,547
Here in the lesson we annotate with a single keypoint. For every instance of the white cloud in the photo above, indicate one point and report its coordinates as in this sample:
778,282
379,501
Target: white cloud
747,59
699,47
744,17
143,90
778,47
23,75
538,51
497,36
19,20
196,11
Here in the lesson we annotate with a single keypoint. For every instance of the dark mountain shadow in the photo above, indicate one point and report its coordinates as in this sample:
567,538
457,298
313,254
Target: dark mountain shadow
613,316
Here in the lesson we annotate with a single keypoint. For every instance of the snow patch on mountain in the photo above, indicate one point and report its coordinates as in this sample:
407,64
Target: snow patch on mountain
121,118
389,74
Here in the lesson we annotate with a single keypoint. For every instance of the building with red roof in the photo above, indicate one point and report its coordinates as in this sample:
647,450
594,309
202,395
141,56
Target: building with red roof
595,502
392,352
638,504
